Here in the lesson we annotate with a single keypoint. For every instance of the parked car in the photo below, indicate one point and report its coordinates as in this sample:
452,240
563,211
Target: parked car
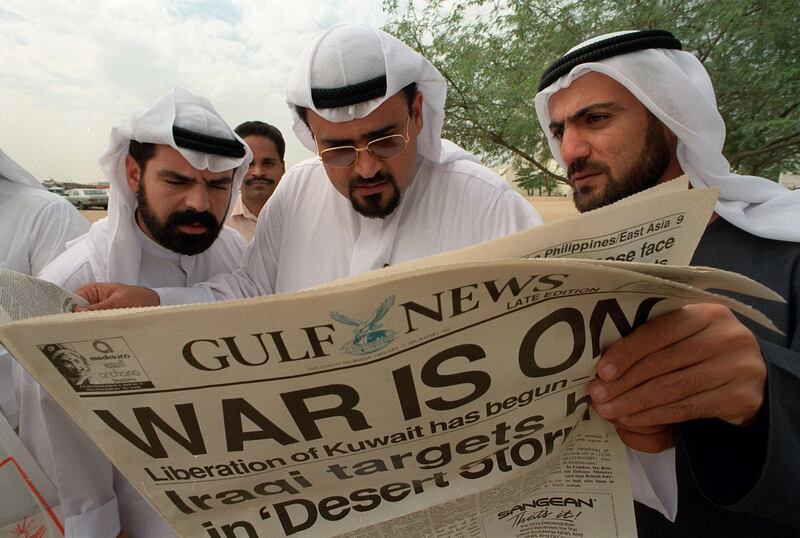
57,190
86,198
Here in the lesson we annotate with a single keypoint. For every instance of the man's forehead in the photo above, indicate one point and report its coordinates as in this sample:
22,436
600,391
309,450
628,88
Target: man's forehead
168,158
391,111
261,144
588,89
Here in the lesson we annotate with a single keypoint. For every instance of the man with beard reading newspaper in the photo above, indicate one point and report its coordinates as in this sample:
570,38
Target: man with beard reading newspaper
385,188
623,112
174,169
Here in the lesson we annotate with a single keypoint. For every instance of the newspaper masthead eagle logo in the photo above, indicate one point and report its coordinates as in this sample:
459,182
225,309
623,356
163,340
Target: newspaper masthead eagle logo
368,336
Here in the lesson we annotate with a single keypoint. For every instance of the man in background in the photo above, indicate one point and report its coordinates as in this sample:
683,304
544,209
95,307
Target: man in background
265,171
35,225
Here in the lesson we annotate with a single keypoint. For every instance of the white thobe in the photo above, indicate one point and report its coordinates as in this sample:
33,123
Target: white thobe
309,234
97,500
35,226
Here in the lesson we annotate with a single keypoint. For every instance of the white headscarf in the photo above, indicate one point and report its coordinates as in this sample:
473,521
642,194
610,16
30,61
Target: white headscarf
116,252
676,88
11,171
350,54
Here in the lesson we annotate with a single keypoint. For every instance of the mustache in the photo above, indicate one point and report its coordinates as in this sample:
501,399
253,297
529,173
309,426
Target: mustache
380,177
585,165
253,179
189,216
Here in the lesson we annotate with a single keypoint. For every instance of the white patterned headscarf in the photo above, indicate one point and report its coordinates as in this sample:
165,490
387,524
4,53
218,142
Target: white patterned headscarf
178,119
11,171
676,88
351,69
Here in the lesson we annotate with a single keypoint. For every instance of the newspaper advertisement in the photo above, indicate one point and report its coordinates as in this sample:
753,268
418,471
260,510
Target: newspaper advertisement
447,400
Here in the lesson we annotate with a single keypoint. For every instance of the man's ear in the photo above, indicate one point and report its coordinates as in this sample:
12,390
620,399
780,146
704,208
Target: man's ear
674,169
416,111
132,173
671,137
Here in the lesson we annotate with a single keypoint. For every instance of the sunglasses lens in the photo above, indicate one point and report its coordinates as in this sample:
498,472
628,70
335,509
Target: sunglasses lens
339,157
388,147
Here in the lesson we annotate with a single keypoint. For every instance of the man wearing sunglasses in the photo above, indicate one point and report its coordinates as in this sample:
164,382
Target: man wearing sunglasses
384,187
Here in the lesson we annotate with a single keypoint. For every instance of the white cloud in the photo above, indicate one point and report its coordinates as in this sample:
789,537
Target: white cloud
71,70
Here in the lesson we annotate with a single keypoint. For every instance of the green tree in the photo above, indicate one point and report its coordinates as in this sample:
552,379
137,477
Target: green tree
492,53
533,180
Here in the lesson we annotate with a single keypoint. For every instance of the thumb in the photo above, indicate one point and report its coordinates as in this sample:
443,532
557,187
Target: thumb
93,292
105,304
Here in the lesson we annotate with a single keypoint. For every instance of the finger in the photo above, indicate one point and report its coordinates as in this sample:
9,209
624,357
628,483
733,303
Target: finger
725,356
667,389
657,333
120,296
655,443
90,292
106,304
735,402
674,357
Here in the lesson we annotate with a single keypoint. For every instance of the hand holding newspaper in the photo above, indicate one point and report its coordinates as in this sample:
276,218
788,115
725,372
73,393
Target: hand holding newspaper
445,397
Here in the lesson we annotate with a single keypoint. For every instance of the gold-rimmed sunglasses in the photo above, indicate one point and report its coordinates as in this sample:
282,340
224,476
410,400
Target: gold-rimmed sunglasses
382,149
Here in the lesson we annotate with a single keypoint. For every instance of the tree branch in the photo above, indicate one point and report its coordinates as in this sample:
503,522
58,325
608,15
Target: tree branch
780,143
791,108
705,54
500,141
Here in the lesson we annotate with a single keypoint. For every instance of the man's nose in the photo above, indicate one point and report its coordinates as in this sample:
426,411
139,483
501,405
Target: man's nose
574,146
366,165
197,197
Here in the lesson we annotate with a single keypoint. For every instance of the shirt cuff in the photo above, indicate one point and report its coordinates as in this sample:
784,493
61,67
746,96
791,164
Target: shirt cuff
100,522
177,296
654,480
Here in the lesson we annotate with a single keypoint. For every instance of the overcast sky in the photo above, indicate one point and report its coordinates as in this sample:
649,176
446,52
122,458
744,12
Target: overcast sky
70,70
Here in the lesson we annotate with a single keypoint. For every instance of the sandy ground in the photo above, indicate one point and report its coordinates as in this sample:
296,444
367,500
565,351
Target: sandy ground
554,208
551,208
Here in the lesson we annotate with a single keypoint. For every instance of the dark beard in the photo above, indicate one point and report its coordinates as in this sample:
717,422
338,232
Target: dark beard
167,234
371,206
642,174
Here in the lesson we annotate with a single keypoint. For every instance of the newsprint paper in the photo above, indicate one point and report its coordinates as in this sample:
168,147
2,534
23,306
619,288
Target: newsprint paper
440,401
28,500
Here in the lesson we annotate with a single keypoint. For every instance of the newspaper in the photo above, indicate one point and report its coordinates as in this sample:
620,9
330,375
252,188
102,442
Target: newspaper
442,399
29,502
22,297
661,225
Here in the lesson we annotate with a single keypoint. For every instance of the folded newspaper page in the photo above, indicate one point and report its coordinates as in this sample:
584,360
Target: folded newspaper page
448,401
443,397
661,225
28,502
22,297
